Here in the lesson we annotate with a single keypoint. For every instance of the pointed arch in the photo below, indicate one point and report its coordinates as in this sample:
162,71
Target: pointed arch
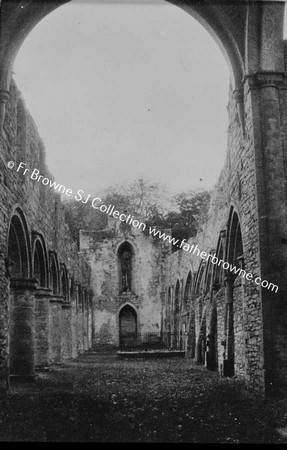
19,249
126,259
235,252
199,278
218,272
40,260
128,326
234,297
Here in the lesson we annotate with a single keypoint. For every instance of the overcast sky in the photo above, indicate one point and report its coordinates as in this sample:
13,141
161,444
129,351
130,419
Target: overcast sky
121,90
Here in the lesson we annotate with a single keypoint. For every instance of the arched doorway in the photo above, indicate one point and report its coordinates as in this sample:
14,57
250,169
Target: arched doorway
127,327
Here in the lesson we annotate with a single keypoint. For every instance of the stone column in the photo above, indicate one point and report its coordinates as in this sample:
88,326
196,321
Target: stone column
265,87
92,321
4,323
55,326
86,322
22,328
66,335
42,331
265,90
228,356
191,339
74,325
80,323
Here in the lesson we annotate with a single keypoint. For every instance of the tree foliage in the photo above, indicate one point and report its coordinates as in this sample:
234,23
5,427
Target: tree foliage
188,215
80,216
140,198
183,213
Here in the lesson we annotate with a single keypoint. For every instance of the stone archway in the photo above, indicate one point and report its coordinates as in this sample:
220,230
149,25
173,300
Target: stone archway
40,262
22,301
234,300
251,35
42,300
220,21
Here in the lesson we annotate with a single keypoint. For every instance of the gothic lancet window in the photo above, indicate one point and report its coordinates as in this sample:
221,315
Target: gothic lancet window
125,254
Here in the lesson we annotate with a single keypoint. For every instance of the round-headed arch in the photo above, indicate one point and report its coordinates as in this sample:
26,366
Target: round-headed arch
221,21
19,259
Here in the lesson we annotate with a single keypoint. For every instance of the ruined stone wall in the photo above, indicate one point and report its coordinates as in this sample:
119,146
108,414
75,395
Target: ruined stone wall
236,188
148,270
44,216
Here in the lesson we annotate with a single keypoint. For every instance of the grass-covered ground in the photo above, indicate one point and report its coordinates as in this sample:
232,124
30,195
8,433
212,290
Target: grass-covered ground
104,399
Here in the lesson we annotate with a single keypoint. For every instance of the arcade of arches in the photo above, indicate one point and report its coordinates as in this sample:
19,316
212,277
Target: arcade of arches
50,303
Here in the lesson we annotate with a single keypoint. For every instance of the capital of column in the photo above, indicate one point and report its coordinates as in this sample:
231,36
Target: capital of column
54,298
23,284
262,79
43,292
66,305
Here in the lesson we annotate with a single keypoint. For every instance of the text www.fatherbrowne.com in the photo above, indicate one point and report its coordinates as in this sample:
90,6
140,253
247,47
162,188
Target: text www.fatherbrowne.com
110,210
193,248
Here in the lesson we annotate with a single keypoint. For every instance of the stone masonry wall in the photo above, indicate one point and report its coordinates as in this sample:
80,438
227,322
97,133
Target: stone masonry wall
44,215
236,188
101,249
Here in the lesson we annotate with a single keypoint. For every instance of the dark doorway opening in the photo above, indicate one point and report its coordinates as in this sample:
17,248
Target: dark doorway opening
128,326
